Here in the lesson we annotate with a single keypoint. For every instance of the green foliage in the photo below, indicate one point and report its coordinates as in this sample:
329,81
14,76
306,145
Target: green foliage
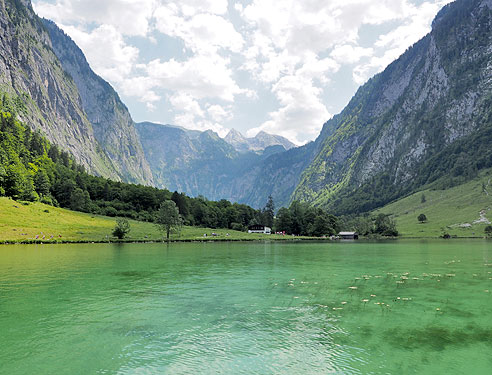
268,213
305,220
422,218
488,230
121,229
423,199
384,225
168,217
371,225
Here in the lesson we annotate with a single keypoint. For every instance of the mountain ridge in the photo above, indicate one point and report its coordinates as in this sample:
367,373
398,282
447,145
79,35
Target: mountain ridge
429,98
259,142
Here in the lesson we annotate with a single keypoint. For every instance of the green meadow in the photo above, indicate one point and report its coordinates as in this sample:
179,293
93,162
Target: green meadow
23,221
461,211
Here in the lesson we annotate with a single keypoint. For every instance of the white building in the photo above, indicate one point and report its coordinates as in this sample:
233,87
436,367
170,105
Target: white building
259,229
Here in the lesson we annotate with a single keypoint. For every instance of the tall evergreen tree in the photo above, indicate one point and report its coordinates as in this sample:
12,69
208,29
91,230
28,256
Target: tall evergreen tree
268,213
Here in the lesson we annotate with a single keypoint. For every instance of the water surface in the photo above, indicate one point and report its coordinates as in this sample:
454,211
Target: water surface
403,307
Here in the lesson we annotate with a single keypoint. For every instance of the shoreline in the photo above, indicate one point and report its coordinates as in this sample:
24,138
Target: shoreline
189,240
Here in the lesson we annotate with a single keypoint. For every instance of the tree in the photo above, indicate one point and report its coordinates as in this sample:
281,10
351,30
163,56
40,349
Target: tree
269,212
42,182
168,217
422,198
121,228
488,230
284,221
422,218
80,200
385,226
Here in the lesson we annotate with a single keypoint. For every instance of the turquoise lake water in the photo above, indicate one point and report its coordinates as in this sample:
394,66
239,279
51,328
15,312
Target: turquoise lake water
402,307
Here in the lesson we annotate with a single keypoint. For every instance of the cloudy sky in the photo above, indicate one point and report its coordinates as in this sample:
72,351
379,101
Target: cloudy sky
282,66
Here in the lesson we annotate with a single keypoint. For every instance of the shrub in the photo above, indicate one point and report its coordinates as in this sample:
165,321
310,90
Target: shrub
488,230
121,228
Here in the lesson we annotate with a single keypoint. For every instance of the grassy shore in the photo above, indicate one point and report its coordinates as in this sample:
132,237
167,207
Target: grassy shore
32,222
461,211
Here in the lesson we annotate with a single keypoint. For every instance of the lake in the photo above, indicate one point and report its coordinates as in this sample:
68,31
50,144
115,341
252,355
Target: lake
396,307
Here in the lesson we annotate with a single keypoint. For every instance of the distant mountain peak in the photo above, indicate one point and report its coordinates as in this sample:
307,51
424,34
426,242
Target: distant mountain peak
259,142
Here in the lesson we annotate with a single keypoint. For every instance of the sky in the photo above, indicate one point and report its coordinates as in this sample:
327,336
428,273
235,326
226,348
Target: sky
281,66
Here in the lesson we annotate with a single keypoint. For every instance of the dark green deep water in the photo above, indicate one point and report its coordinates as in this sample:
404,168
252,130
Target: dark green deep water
247,308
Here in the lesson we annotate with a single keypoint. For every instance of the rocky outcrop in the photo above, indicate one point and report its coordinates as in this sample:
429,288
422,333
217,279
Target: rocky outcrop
113,126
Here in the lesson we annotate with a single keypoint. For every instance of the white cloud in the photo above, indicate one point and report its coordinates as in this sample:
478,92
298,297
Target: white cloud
201,33
302,112
202,76
218,113
349,54
106,51
185,103
129,17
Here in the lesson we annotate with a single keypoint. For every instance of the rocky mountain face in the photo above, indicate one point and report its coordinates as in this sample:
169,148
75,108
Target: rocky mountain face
258,143
112,124
30,70
202,163
414,123
64,98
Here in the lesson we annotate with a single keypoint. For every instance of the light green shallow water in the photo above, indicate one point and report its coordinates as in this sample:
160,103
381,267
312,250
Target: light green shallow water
247,308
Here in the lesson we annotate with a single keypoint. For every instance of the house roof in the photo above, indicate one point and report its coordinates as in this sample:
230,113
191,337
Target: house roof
347,233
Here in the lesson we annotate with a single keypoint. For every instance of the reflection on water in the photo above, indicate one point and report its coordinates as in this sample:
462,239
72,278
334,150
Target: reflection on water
408,307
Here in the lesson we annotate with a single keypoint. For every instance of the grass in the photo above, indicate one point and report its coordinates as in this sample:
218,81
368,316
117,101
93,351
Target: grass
446,210
22,222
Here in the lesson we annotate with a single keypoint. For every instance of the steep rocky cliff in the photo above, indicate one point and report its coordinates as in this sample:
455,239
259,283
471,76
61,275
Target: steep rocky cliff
30,70
112,124
401,126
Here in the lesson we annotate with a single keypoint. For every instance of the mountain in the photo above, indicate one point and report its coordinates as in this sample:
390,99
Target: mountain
426,119
258,143
63,98
424,122
113,126
202,163
30,71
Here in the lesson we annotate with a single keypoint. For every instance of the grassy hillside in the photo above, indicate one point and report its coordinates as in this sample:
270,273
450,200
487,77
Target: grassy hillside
23,222
456,210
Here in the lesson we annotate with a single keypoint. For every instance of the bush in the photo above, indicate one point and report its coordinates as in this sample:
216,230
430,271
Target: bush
121,228
488,230
422,218
237,226
111,211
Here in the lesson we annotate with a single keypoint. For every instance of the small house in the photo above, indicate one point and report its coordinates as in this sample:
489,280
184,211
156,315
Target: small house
259,229
348,235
